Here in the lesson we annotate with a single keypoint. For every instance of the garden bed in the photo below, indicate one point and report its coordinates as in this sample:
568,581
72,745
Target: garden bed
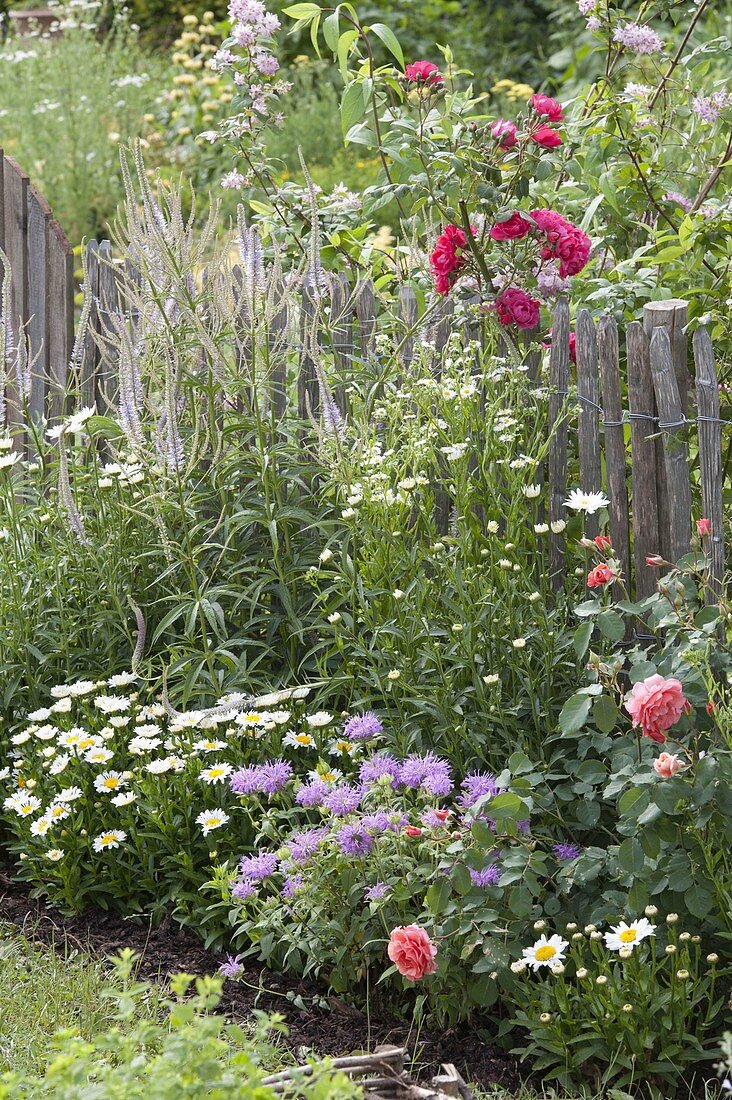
330,1031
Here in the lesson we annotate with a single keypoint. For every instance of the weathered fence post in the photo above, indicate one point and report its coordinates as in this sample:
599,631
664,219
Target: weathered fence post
607,343
642,403
710,459
671,422
558,388
588,391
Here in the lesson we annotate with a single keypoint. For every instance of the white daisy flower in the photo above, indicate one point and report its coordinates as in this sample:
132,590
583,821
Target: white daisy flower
208,746
69,794
139,745
57,811
70,738
299,740
339,746
211,819
41,826
98,755
590,503
39,715
152,710
86,744
108,782
216,773
628,935
4,773
124,798
112,704
62,706
59,764
545,952
54,854
531,491
159,767
319,719
119,721
45,733
249,718
331,775
111,839
122,679
26,805
20,738
81,687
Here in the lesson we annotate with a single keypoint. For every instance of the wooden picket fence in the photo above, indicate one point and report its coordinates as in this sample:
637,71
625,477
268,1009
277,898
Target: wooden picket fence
639,454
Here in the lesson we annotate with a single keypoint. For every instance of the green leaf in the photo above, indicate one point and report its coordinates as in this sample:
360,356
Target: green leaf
604,714
633,802
631,857
438,895
611,625
331,31
352,106
581,639
507,805
574,714
699,901
302,11
387,36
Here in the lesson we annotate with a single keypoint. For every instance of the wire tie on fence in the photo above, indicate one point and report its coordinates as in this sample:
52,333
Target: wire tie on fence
667,425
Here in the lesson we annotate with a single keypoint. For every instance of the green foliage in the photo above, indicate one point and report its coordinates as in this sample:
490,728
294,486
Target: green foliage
191,1051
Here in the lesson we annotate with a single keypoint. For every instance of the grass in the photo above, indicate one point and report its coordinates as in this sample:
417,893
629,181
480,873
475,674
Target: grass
43,991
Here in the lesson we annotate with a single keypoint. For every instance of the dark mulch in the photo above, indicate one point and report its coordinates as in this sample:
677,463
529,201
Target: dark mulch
336,1030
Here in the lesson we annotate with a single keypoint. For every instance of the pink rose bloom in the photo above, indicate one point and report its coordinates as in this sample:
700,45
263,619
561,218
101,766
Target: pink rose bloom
547,107
511,229
655,705
423,72
599,576
704,527
412,952
666,765
504,132
516,307
546,137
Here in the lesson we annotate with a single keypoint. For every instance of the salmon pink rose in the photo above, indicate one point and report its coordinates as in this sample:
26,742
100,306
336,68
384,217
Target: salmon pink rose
666,765
412,952
600,575
602,542
655,704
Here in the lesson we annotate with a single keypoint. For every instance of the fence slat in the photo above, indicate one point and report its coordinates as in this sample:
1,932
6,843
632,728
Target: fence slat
278,369
408,316
642,401
675,451
607,347
60,314
90,354
558,387
308,393
15,191
39,215
365,304
341,321
710,460
2,200
588,389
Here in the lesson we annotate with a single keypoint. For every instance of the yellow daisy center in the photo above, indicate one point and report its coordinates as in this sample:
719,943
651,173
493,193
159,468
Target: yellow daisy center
111,782
543,954
328,777
628,935
303,738
107,838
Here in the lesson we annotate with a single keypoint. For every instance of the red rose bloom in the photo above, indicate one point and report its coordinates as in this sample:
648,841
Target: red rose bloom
546,137
602,542
448,257
516,307
504,132
423,72
600,575
511,229
547,107
564,242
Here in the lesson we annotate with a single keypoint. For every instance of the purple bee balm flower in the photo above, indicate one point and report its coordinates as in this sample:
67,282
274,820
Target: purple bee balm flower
566,852
376,892
486,876
312,794
343,800
379,766
291,885
523,826
231,967
245,890
477,785
353,840
275,774
259,867
303,845
245,781
428,771
362,726
381,822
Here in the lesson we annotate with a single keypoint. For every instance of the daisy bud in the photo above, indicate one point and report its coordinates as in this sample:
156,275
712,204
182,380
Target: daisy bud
713,958
539,925
590,928
685,936
595,935
601,979
671,949
625,952
582,973
545,1017
651,910
682,975
518,967
627,1008
578,936
571,927
557,969
672,918
696,939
